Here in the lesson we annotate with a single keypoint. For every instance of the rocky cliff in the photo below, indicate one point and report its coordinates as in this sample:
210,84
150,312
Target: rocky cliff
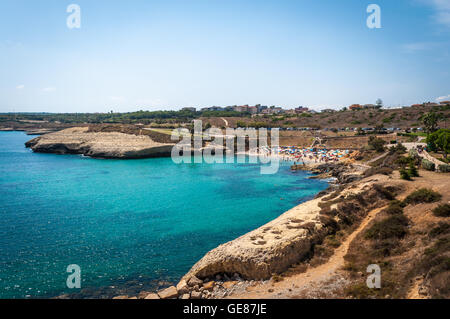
288,239
82,140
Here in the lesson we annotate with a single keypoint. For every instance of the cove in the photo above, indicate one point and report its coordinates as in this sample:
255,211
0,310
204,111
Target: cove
131,225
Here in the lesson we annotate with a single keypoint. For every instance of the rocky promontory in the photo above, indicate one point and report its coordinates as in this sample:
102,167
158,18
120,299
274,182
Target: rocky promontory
260,255
100,143
272,248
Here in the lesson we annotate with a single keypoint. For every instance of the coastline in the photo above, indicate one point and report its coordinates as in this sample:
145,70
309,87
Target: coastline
106,292
256,257
287,203
228,264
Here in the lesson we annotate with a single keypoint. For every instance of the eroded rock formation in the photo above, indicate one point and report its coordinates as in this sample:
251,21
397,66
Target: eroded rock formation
80,140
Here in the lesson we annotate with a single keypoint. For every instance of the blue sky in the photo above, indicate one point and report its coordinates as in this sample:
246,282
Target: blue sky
132,55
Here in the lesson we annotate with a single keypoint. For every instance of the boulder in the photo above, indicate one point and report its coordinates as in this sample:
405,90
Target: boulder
152,296
196,295
209,285
229,284
194,281
182,287
168,293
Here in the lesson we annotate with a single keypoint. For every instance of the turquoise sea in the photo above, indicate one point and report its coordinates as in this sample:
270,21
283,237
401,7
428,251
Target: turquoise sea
131,225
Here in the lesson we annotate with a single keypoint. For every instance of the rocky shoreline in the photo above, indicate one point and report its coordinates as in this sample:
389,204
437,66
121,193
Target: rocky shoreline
99,144
254,257
261,254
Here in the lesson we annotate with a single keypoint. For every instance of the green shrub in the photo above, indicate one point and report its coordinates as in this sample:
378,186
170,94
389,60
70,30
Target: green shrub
414,154
423,195
403,161
442,210
395,207
404,174
444,168
376,144
440,229
412,170
386,192
399,148
391,227
428,165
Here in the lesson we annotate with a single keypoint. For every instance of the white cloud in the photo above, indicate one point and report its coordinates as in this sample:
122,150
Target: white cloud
442,11
49,89
20,87
418,46
442,98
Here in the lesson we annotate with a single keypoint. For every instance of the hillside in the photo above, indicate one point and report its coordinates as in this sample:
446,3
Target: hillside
407,117
396,118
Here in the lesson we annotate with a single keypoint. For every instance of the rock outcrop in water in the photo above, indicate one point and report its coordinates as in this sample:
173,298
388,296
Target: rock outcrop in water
82,140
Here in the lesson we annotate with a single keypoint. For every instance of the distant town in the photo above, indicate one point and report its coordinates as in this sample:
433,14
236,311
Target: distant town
259,109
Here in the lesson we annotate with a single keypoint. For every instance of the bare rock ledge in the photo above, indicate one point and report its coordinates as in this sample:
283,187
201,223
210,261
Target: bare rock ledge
276,246
79,140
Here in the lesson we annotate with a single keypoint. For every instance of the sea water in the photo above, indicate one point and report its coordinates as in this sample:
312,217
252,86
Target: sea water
131,225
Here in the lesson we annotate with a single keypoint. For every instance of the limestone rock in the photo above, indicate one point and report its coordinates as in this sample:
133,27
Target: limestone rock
196,295
229,284
182,287
168,293
152,296
79,140
194,281
209,285
286,240
259,261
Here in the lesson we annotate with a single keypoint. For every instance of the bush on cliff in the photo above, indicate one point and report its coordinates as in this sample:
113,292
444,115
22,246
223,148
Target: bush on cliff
441,229
398,148
444,168
395,207
428,165
376,144
404,174
412,170
423,195
403,161
442,210
435,264
391,227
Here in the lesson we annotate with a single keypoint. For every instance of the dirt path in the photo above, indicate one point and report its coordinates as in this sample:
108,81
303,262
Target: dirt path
377,158
414,292
226,122
293,286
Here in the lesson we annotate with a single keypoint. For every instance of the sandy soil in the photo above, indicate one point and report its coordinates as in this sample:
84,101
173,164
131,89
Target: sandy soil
329,279
297,285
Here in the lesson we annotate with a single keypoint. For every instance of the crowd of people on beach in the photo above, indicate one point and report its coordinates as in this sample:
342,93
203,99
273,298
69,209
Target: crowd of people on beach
303,155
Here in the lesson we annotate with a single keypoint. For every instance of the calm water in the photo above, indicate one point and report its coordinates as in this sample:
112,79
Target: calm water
129,225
